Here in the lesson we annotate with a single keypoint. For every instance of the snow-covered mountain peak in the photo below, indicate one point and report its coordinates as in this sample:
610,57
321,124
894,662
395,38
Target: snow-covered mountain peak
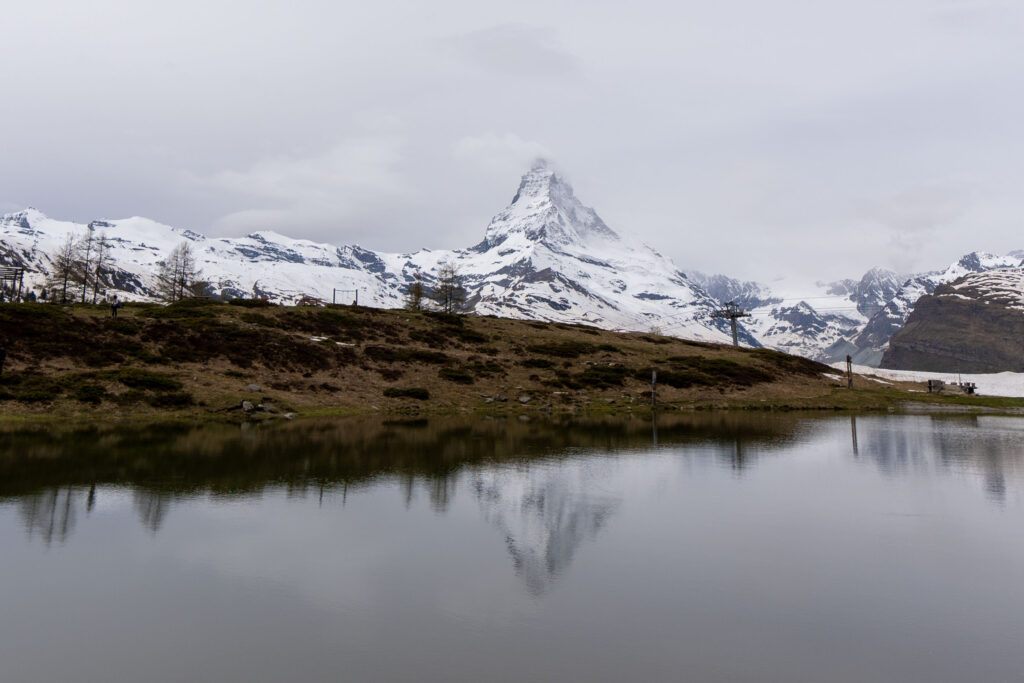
545,210
24,220
980,261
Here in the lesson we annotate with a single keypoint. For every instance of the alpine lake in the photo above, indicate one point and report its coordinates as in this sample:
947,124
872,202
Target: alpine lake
703,547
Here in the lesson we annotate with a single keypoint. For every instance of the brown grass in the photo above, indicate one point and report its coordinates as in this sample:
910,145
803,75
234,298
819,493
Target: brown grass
341,359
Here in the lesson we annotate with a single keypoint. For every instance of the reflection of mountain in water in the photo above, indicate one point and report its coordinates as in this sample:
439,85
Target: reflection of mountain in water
988,446
52,474
545,513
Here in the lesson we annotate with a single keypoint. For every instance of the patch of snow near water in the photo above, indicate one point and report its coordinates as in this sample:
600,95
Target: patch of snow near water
989,384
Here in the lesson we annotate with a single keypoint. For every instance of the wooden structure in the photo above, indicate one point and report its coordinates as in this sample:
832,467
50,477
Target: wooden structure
14,276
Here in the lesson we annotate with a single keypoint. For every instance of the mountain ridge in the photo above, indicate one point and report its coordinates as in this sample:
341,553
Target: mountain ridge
545,256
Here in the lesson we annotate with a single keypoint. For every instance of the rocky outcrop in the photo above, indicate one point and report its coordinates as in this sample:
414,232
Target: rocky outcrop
975,324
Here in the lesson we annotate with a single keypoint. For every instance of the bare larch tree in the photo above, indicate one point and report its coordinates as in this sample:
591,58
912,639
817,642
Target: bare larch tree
178,276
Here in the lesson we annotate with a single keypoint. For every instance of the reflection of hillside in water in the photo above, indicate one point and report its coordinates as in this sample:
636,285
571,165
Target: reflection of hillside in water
988,446
545,513
53,476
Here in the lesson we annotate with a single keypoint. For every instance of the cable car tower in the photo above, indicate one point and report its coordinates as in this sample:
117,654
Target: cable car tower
733,313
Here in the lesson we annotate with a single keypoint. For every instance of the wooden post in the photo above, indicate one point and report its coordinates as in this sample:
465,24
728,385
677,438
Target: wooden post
849,372
853,429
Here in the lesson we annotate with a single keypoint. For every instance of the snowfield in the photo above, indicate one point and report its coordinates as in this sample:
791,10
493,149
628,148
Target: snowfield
1009,384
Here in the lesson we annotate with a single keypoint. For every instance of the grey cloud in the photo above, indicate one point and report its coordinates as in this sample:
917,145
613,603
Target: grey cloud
516,49
744,137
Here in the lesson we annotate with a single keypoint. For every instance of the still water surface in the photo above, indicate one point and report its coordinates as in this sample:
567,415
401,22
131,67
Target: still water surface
718,548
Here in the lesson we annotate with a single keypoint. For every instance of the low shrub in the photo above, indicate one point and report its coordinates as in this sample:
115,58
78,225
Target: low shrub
486,369
390,374
470,336
90,392
179,353
418,393
259,319
121,326
450,319
455,375
176,312
137,378
101,358
194,302
603,376
174,399
250,303
399,354
689,371
562,349
30,388
430,338
130,397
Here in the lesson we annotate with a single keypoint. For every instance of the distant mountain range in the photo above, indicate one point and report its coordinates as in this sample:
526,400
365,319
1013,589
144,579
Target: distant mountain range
546,256
846,317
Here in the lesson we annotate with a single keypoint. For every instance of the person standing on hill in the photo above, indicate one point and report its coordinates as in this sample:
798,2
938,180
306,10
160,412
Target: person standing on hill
114,305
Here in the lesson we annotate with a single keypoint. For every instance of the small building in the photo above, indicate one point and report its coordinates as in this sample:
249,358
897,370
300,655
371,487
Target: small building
968,387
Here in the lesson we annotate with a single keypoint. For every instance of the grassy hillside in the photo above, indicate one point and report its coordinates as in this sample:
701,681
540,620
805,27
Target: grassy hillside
203,359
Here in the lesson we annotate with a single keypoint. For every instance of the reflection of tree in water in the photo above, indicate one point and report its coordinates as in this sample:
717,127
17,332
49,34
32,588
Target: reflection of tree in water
545,514
442,490
51,514
152,507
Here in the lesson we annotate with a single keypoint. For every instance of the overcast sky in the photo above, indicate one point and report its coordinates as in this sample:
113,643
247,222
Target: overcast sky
814,137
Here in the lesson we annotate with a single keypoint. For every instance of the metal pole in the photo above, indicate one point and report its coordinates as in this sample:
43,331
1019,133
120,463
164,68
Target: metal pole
654,389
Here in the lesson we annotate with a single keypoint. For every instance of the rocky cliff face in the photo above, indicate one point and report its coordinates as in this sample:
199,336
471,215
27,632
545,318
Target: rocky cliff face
974,324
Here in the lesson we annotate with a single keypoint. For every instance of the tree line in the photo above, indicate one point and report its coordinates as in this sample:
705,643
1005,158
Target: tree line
448,294
83,270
